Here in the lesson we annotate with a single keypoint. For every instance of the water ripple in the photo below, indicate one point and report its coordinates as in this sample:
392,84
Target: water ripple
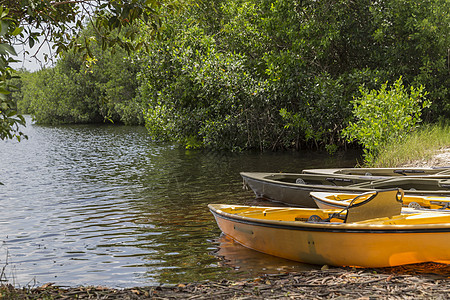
104,205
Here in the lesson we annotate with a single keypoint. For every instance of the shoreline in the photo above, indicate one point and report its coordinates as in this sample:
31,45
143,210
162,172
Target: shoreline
440,158
420,281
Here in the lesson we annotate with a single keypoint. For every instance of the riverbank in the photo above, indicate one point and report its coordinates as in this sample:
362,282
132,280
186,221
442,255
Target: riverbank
427,147
421,281
441,158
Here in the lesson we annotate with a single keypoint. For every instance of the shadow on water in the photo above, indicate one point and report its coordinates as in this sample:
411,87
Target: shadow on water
250,263
104,205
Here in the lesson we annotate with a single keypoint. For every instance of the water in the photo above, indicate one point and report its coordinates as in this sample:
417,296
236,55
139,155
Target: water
104,205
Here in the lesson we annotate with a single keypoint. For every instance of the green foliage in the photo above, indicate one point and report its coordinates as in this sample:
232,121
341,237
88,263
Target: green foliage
241,74
10,121
385,116
76,92
412,41
62,22
227,90
159,124
32,88
31,22
52,104
195,92
281,74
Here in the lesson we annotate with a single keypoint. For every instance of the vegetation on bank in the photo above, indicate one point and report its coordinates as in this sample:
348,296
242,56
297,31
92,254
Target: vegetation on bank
27,25
420,145
385,116
72,93
271,74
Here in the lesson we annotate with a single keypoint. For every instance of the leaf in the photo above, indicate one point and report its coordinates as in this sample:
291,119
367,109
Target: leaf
17,31
4,91
31,42
4,28
4,48
3,13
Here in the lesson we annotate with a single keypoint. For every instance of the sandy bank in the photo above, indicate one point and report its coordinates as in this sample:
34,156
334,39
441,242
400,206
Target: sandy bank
440,159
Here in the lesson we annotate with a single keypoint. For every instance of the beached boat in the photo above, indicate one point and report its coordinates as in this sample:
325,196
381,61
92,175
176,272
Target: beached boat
373,234
437,172
294,189
326,200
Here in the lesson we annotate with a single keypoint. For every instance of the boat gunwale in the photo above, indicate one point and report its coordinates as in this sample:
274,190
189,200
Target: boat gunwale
261,177
323,198
319,197
299,186
333,204
407,172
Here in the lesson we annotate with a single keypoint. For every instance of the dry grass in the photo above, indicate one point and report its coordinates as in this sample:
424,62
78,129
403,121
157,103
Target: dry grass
427,147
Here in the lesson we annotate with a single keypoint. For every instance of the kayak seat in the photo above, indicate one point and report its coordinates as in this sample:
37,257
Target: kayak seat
333,180
381,204
414,205
300,181
378,204
318,219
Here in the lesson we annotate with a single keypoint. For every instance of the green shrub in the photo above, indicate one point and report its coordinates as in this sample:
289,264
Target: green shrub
385,115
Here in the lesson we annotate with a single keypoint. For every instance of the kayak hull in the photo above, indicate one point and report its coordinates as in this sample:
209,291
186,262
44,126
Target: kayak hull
337,244
295,189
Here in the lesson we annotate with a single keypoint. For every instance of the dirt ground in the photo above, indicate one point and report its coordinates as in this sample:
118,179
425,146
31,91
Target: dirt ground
440,159
421,281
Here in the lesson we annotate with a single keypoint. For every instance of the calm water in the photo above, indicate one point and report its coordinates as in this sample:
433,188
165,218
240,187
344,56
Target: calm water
104,205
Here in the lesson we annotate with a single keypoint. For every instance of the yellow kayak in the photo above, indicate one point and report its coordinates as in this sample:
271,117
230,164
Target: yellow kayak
326,200
372,233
